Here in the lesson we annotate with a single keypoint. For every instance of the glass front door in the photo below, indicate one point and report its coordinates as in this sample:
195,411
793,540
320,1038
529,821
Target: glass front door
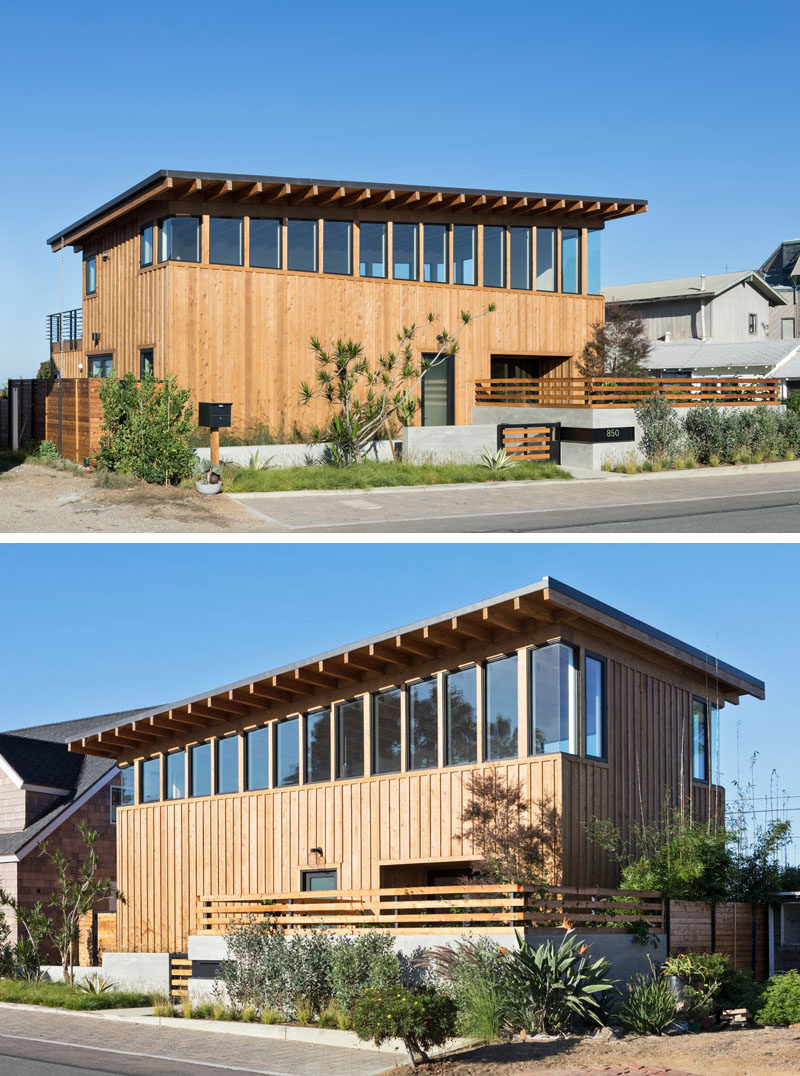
437,394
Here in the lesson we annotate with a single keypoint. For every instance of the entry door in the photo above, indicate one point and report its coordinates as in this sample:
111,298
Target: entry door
437,394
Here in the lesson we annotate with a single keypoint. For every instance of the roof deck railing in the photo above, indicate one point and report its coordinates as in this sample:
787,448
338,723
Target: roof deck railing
625,391
66,326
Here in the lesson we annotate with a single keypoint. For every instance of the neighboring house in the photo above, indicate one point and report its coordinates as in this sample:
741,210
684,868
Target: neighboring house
696,358
45,792
222,280
723,308
781,271
348,770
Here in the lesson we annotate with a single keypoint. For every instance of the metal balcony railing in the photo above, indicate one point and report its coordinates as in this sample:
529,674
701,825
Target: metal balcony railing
66,327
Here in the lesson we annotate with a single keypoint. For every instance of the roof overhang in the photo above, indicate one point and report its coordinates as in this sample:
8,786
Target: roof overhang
243,189
495,621
756,281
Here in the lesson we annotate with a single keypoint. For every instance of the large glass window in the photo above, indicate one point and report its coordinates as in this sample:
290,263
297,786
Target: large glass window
520,258
465,254
179,239
502,719
545,259
570,260
318,746
461,709
553,676
337,246
265,243
594,695
201,769
434,258
386,731
287,752
593,260
225,242
301,245
176,775
146,246
372,248
91,275
423,725
127,776
699,740
101,365
257,752
150,780
405,251
494,257
228,764
350,738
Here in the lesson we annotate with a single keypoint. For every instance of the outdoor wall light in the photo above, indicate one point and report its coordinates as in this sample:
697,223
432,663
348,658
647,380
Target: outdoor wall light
106,256
95,338
315,851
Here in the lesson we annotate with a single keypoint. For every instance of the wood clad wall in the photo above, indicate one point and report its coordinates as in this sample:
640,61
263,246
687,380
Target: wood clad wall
690,931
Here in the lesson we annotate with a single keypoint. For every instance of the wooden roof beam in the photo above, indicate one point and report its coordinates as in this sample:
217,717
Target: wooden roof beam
291,685
277,193
470,629
315,677
528,606
517,205
384,653
428,200
441,636
453,201
405,199
497,618
331,196
94,747
262,694
555,207
342,671
171,721
591,207
229,705
414,646
303,194
358,660
380,198
195,187
356,196
120,738
575,207
165,188
249,192
208,713
224,187
143,729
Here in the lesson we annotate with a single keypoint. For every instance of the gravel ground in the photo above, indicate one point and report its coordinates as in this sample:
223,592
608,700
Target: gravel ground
39,499
757,1052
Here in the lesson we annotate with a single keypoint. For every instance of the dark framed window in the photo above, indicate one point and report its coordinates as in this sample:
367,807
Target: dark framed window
200,769
316,881
372,249
545,259
494,257
146,367
461,716
520,258
318,746
228,765
699,739
146,246
593,261
552,673
101,365
179,239
594,705
226,240
337,247
405,251
265,243
122,794
434,256
287,752
257,758
349,718
386,731
301,245
422,708
570,261
501,735
150,780
752,324
90,270
175,775
465,254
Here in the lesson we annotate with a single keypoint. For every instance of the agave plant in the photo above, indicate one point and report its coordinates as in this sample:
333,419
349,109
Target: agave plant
497,461
96,984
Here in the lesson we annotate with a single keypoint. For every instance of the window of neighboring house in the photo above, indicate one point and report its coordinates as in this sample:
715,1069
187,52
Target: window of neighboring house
337,247
752,324
225,240
301,245
594,695
91,275
372,249
350,738
593,261
265,243
312,881
386,731
122,794
318,746
461,716
287,752
150,780
101,365
405,251
699,739
494,257
179,239
257,758
227,765
146,246
545,259
434,257
465,254
501,710
570,261
787,328
200,766
146,368
552,678
175,775
422,723
519,252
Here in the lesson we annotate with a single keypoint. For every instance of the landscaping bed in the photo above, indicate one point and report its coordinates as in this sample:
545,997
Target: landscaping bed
63,996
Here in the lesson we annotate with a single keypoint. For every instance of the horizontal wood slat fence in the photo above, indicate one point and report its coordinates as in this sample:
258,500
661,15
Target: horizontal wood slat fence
738,931
625,391
31,413
437,910
528,442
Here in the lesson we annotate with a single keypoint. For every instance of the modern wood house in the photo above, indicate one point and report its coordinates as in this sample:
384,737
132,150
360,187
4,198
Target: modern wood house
222,280
348,770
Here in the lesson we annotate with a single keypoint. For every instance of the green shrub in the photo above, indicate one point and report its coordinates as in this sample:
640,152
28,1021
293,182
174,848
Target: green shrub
368,960
476,975
780,1002
661,428
421,1018
307,973
647,1005
739,991
704,428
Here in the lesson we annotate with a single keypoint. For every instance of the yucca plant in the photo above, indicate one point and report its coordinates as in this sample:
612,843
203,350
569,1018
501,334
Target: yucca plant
96,984
497,461
648,1005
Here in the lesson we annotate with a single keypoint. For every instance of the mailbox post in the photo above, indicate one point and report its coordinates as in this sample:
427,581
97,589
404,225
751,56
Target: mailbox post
215,416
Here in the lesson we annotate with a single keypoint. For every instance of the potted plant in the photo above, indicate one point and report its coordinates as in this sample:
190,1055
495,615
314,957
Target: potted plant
210,480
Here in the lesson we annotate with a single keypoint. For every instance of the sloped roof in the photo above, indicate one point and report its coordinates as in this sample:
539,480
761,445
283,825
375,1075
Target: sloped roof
688,287
782,264
705,354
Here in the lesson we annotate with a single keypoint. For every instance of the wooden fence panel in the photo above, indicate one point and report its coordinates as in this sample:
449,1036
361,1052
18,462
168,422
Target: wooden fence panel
695,928
97,934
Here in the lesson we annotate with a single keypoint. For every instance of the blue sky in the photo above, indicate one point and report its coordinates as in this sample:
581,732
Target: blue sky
96,628
678,103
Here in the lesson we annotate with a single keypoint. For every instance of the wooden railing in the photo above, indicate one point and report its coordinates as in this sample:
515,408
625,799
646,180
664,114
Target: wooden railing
625,391
486,909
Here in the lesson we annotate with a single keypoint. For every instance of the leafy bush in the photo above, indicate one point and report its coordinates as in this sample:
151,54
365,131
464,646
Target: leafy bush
704,427
368,960
421,1018
739,991
647,1005
307,973
476,975
780,1003
146,429
661,428
254,972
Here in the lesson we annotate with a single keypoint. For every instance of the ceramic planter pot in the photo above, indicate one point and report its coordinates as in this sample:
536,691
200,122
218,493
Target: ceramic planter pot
208,487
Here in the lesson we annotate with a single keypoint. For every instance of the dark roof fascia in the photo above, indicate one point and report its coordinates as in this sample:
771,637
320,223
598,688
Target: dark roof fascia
167,173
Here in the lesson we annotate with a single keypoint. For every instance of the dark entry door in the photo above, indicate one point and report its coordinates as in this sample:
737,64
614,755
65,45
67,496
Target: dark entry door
437,394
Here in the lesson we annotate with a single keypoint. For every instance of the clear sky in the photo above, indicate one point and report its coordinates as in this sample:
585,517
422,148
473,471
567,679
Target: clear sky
683,104
90,629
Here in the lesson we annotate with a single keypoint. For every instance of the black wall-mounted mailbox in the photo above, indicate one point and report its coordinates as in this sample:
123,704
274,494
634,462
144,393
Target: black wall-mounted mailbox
214,415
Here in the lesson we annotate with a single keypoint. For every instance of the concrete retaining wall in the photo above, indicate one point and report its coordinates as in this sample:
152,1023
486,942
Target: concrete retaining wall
143,972
449,444
286,455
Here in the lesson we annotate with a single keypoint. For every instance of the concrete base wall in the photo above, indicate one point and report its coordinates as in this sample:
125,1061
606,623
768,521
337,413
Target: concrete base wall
138,971
449,444
285,455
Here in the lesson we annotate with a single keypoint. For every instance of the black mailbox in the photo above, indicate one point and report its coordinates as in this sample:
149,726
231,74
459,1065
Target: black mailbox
214,415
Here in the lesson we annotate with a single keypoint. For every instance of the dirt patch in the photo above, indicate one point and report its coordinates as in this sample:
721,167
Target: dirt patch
38,499
759,1052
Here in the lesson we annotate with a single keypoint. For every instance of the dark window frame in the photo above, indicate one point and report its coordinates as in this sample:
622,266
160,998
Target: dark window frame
409,685
485,701
90,260
152,229
162,232
448,247
576,665
152,353
351,229
373,739
337,752
446,722
244,779
274,220
706,767
101,356
417,233
475,267
589,654
312,872
302,220
503,230
295,719
165,774
752,324
314,713
211,261
235,737
157,759
376,224
190,791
